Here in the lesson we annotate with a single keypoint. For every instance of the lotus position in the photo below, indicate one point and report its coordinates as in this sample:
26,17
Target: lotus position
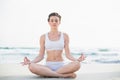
52,44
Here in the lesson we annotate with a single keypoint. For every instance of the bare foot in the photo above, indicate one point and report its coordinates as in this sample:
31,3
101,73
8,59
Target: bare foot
73,75
70,75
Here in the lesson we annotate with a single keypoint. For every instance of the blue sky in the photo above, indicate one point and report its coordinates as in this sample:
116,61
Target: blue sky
89,23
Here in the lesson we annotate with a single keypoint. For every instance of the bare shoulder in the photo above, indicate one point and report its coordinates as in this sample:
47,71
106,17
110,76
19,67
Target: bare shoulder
65,35
42,37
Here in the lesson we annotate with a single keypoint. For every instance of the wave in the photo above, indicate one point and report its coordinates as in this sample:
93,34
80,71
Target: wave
99,55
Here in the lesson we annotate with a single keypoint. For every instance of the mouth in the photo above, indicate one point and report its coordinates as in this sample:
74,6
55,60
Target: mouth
54,25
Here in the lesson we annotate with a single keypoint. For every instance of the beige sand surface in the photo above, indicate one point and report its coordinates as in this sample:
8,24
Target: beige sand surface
87,72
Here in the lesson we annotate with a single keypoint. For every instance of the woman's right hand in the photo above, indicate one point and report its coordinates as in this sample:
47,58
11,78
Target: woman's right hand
26,61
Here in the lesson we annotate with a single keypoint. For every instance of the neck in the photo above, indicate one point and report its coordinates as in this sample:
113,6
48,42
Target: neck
54,31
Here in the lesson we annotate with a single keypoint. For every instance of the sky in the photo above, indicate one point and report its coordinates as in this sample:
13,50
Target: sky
89,23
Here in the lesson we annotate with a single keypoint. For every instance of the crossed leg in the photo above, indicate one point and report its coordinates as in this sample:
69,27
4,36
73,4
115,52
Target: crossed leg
65,71
69,68
45,71
42,70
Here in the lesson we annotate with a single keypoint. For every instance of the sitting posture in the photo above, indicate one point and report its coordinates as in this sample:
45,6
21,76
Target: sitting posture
54,42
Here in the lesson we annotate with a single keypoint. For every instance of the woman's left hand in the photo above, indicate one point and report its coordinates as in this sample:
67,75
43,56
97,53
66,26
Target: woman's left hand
81,58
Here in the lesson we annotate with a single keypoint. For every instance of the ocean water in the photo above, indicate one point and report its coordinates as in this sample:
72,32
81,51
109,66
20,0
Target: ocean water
93,56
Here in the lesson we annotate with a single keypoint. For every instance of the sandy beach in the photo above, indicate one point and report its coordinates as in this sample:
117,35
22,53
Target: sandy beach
87,72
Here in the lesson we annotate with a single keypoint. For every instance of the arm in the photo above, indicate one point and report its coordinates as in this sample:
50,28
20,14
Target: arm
67,50
41,51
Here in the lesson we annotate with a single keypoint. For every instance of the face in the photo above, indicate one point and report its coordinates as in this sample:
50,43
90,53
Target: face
54,21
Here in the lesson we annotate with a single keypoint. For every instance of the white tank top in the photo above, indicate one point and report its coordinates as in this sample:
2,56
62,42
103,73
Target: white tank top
54,45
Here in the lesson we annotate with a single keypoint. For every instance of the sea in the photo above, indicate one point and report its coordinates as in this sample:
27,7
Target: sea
93,55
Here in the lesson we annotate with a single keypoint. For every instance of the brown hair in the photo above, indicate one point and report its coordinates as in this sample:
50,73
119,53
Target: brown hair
54,14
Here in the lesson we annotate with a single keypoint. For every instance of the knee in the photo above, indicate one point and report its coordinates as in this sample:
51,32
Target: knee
31,67
76,65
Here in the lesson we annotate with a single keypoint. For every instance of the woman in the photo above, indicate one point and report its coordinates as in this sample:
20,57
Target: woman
53,43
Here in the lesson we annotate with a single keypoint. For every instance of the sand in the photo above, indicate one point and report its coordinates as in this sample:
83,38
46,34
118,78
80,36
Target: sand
87,72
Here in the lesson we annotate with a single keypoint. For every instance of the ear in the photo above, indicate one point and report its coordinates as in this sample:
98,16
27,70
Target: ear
48,22
60,22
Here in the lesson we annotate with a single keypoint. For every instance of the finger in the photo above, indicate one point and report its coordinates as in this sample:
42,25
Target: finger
27,59
81,58
22,63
